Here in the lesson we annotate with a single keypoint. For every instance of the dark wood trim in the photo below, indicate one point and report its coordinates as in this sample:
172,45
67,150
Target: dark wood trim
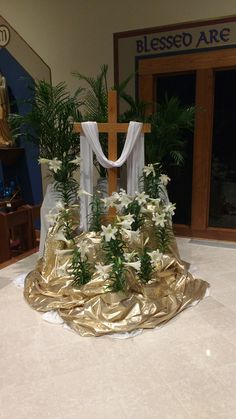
202,149
146,91
212,233
205,64
216,59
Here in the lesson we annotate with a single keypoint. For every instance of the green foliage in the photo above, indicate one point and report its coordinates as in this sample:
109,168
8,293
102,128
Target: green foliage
146,268
169,124
96,213
65,184
49,123
113,248
164,237
136,110
151,184
118,275
96,97
66,218
80,269
114,254
95,101
134,208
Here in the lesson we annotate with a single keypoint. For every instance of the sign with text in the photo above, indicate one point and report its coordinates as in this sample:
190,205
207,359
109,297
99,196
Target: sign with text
176,39
180,40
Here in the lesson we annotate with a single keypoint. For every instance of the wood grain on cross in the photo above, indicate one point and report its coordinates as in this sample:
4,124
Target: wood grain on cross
112,128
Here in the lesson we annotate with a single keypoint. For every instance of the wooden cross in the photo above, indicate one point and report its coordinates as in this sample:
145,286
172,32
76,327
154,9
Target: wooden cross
112,127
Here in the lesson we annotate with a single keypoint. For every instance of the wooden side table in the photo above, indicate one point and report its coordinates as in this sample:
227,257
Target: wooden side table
18,223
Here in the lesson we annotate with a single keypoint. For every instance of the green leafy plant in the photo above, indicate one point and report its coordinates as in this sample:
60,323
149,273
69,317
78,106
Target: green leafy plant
80,269
150,180
169,123
164,237
95,101
134,208
67,224
118,275
114,248
97,212
146,269
49,124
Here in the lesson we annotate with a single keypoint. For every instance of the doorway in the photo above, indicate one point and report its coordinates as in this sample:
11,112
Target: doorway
205,189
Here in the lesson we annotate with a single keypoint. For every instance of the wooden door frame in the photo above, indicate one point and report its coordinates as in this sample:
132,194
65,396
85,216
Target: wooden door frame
204,64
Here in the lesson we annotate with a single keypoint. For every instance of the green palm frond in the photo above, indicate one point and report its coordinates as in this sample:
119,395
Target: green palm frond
96,97
49,122
169,123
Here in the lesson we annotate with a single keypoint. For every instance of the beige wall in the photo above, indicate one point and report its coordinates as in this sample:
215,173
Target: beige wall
77,35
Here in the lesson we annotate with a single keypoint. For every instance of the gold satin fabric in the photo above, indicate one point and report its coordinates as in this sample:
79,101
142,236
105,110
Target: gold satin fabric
93,311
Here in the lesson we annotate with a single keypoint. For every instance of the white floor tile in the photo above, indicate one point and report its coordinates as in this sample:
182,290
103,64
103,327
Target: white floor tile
185,369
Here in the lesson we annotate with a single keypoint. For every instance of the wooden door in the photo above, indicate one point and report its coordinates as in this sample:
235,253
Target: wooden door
205,66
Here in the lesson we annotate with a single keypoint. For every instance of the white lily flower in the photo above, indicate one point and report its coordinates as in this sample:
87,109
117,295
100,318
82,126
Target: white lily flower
124,199
127,221
159,219
109,232
164,179
170,209
60,236
83,192
109,201
131,235
155,256
41,160
76,161
141,197
136,265
155,201
103,270
70,119
83,248
129,256
55,164
147,170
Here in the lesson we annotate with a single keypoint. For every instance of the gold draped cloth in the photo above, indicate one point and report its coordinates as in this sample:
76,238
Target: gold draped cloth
92,310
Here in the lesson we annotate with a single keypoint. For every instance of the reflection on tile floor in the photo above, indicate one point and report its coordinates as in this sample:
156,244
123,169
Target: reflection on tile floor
186,369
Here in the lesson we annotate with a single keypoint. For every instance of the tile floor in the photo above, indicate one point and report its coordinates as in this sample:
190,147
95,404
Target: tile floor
186,369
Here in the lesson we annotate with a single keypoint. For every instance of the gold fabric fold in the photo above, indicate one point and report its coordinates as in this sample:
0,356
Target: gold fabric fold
91,309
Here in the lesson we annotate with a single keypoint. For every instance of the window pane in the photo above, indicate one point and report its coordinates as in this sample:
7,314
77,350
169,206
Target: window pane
180,188
223,174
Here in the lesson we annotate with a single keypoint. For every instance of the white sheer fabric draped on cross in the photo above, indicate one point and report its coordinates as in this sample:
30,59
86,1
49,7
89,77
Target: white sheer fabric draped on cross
133,153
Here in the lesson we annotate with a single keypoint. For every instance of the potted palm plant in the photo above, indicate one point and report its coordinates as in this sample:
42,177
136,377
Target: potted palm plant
49,124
